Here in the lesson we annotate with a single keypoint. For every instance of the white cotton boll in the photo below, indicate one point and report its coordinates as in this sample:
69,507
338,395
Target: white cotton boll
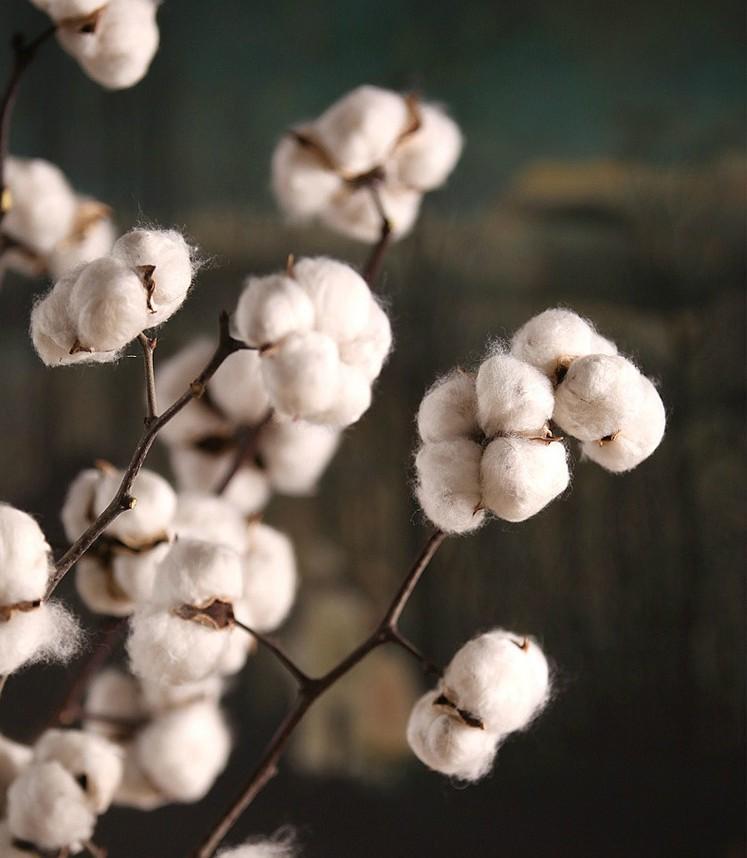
555,335
598,395
446,744
449,484
149,518
43,204
165,648
92,237
353,212
352,401
279,846
98,590
294,454
270,308
340,296
270,578
112,694
135,573
160,696
108,305
197,471
639,435
183,751
171,256
448,410
302,184
521,476
499,677
48,808
512,396
238,390
119,51
360,130
302,374
95,757
368,351
210,519
135,790
24,557
195,573
77,510
424,159
45,633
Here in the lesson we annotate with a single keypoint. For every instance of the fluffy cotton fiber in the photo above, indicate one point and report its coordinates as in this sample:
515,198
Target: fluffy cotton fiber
449,484
512,396
449,409
270,579
279,846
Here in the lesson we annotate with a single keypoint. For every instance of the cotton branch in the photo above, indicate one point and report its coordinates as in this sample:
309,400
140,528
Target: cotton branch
375,260
311,689
123,500
149,346
245,451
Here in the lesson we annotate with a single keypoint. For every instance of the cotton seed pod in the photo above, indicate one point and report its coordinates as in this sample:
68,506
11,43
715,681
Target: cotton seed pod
356,215
119,50
448,485
24,557
92,759
448,410
14,757
171,258
368,351
45,633
99,591
302,185
512,396
152,513
210,519
500,678
521,476
352,399
340,296
270,578
183,751
424,159
279,846
598,395
135,790
47,807
446,744
159,696
557,335
270,308
93,235
115,695
238,390
294,454
301,374
43,204
77,510
639,435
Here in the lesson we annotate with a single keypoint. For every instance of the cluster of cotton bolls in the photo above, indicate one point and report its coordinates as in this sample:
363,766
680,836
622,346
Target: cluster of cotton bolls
487,441
31,628
322,339
203,439
114,42
496,684
48,228
95,310
371,138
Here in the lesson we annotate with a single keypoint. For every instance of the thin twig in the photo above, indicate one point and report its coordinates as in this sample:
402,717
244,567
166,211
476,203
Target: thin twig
245,451
311,689
428,667
3,680
123,500
280,654
149,346
372,268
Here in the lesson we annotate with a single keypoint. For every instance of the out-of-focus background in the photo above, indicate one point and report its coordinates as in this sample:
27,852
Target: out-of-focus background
604,170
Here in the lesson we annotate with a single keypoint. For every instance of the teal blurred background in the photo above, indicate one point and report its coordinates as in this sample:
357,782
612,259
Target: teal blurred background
604,170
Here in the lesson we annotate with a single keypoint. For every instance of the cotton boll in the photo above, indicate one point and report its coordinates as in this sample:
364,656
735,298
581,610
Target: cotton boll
270,578
119,51
639,435
116,695
149,518
238,390
448,410
92,237
295,454
302,374
108,304
210,519
183,751
135,573
99,591
48,808
368,351
46,633
352,401
520,476
24,557
302,184
512,396
599,394
279,846
354,213
58,10
449,484
501,678
270,308
554,335
424,159
446,744
43,204
94,757
195,573
171,256
135,790
360,129
160,696
340,296
77,510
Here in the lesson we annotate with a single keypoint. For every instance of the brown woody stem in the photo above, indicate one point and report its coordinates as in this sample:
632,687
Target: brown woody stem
149,346
372,268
